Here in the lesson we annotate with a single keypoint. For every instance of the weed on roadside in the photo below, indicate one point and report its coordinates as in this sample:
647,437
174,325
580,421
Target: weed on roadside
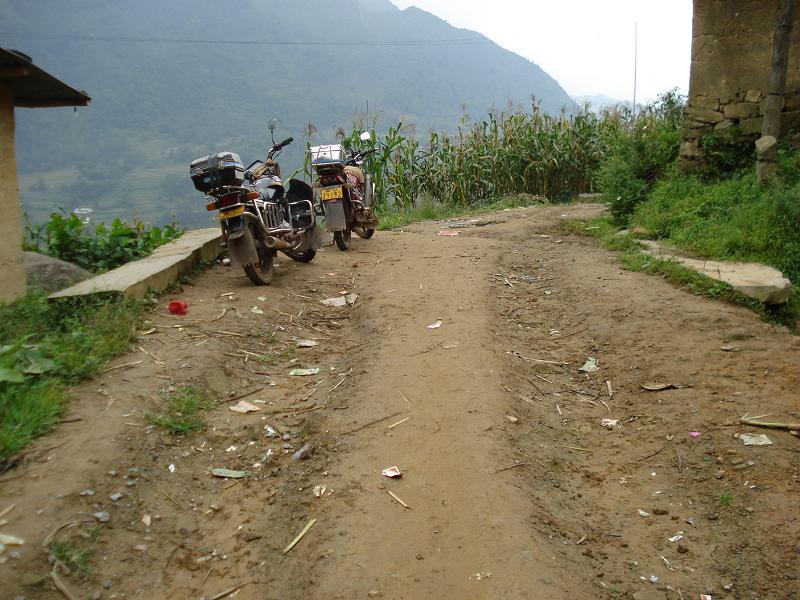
555,464
74,554
73,557
277,356
46,346
726,499
185,408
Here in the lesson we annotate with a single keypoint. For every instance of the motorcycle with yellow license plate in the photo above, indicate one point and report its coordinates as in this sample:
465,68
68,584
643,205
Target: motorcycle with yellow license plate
346,192
258,216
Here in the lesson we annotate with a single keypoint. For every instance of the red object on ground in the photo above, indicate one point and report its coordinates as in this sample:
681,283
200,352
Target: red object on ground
448,233
178,307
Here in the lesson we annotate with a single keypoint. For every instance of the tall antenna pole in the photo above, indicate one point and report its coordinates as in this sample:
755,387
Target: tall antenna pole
635,62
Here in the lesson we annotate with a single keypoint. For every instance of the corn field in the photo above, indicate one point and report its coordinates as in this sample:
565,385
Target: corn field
508,153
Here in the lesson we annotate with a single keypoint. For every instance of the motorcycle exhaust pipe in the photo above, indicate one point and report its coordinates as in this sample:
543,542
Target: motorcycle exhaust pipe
368,190
274,243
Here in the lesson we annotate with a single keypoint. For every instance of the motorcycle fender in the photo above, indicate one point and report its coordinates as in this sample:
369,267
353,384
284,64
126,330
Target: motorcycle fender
335,219
233,228
313,238
299,190
242,248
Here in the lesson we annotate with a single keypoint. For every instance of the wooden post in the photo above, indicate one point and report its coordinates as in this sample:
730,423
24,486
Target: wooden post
767,145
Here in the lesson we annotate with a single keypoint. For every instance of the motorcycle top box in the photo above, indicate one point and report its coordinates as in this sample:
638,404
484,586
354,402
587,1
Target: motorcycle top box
216,170
330,155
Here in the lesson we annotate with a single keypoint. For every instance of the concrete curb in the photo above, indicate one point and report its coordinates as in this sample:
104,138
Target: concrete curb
156,272
757,281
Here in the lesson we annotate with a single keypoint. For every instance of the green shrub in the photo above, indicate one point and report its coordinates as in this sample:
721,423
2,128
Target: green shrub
96,247
641,151
726,153
734,219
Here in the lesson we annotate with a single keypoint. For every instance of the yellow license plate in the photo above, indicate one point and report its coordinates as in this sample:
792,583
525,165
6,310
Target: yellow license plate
331,193
231,212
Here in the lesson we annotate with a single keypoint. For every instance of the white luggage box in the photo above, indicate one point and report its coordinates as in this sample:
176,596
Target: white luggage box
332,154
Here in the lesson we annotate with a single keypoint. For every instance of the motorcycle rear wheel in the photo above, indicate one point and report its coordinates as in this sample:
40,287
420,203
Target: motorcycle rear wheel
364,233
342,239
303,257
261,273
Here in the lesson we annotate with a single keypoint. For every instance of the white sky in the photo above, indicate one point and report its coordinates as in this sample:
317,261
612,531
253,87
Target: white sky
586,45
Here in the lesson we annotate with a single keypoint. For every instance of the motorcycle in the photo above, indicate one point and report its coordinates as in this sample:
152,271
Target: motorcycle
258,216
346,193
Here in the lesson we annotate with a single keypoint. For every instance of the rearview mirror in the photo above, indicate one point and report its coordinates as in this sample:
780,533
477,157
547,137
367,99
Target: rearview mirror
273,124
365,137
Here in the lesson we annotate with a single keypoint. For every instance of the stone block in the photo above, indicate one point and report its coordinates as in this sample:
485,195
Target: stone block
690,149
704,115
705,102
752,96
741,110
723,126
765,143
751,126
52,274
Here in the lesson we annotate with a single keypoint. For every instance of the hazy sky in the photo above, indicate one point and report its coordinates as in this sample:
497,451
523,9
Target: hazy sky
587,45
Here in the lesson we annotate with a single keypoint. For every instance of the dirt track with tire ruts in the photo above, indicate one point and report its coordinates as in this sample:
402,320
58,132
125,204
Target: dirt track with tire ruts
514,486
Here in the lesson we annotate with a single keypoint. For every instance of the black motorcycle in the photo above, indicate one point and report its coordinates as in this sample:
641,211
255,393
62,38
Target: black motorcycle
257,215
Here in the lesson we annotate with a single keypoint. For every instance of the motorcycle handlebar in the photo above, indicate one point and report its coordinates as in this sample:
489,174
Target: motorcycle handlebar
278,146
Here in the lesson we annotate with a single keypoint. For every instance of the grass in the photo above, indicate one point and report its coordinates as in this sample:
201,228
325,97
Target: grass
185,408
75,558
45,347
277,356
726,499
633,258
735,219
394,218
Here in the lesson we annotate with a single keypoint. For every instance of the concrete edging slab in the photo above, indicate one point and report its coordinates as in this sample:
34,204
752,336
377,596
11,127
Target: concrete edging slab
156,271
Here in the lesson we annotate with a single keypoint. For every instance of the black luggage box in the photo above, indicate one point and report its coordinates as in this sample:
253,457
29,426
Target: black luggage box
216,170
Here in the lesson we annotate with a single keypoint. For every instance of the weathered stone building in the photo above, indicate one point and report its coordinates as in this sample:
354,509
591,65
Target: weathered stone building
731,57
25,85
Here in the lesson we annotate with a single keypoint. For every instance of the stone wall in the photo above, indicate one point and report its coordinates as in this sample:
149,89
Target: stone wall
12,272
731,61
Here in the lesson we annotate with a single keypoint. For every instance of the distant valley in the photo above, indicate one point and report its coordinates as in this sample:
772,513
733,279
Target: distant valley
166,89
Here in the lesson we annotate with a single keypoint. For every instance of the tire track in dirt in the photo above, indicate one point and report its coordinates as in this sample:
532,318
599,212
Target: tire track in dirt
464,535
455,384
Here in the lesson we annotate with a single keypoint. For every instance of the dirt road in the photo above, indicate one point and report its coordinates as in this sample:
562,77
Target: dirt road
514,486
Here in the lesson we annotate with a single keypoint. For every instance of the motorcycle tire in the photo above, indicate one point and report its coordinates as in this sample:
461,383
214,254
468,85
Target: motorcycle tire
364,233
261,273
342,239
303,257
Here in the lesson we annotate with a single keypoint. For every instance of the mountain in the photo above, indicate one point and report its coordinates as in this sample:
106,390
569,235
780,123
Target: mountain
166,89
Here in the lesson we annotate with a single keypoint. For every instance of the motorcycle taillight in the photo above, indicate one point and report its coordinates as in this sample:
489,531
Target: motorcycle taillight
229,199
330,179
